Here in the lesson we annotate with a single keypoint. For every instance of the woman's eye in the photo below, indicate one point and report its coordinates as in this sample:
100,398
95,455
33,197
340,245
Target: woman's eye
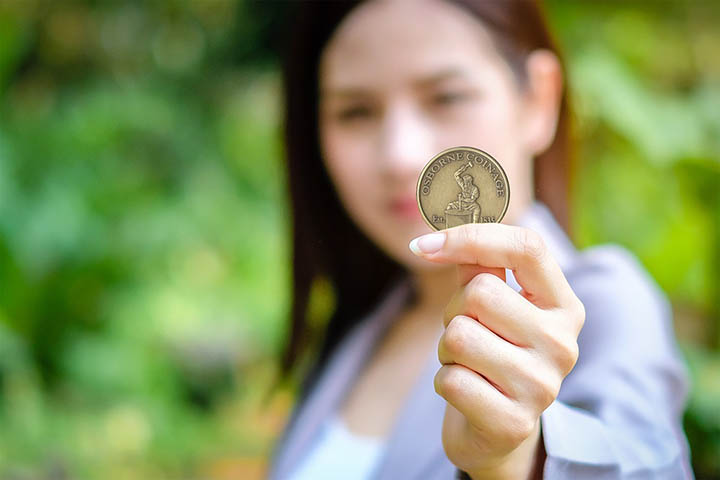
354,113
448,98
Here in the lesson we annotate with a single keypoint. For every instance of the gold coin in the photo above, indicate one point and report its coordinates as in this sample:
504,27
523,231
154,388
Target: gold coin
462,185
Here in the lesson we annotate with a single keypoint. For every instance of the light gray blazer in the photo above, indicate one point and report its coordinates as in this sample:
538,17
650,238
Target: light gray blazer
618,414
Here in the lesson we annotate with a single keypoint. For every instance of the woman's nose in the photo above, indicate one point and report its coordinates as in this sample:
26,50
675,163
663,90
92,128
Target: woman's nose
404,143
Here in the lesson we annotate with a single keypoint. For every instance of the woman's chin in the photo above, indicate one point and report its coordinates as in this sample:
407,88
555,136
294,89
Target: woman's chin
394,241
415,264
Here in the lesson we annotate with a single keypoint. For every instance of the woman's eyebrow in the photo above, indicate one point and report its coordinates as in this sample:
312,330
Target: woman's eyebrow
345,92
440,76
420,83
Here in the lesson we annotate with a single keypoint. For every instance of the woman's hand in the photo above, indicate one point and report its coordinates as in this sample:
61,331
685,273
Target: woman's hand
504,354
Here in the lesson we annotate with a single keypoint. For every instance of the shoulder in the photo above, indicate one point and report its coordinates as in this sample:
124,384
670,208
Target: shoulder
620,296
615,273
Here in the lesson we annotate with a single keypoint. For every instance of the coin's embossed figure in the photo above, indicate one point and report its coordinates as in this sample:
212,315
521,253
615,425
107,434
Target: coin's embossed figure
484,193
466,204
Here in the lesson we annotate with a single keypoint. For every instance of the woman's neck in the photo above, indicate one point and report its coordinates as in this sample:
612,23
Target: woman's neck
434,288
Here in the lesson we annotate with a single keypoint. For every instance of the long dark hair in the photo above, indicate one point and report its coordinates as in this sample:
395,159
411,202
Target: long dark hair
326,244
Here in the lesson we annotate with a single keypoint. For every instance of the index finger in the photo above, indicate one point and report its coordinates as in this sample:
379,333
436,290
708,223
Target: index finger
496,245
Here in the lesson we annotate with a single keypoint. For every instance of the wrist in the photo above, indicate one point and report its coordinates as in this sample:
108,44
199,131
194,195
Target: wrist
526,462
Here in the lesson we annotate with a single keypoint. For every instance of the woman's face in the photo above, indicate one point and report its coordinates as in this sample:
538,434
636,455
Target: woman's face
399,82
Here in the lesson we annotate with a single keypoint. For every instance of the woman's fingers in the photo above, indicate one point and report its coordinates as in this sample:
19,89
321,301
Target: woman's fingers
497,306
497,418
470,343
552,334
496,245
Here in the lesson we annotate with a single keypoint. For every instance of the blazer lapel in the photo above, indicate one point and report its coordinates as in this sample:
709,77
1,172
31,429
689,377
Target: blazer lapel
338,376
415,440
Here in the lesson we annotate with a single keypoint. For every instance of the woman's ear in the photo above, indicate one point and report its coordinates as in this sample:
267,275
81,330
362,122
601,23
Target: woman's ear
543,95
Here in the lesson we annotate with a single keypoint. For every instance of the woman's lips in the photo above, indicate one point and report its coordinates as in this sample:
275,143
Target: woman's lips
405,208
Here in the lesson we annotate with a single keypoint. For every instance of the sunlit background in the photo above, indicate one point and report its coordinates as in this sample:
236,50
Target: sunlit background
144,260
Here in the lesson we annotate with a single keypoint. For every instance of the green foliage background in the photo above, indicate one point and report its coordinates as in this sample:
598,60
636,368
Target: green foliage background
143,247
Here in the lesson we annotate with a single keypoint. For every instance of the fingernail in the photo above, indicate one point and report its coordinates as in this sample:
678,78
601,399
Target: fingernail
430,243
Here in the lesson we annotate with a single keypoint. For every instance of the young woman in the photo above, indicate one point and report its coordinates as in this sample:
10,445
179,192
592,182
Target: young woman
484,350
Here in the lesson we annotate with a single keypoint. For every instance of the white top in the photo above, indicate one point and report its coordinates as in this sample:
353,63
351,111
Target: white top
339,453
